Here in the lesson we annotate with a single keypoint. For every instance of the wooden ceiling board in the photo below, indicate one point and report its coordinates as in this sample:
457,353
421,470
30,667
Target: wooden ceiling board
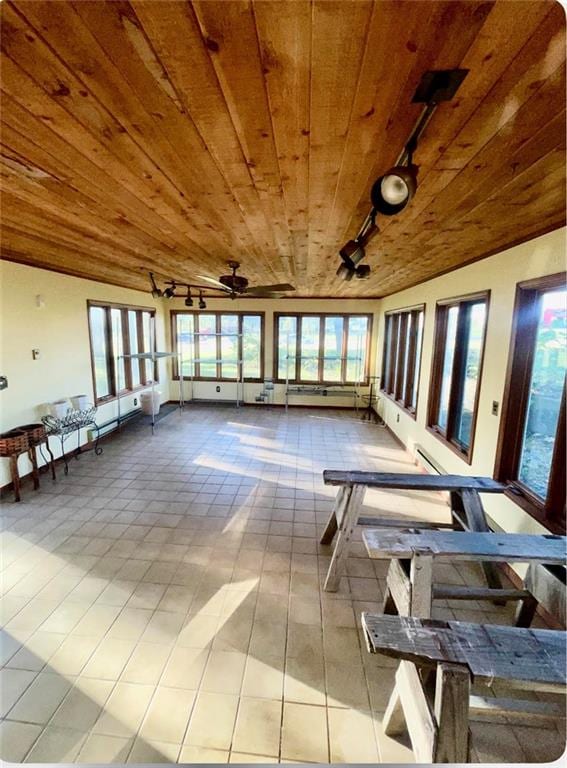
173,136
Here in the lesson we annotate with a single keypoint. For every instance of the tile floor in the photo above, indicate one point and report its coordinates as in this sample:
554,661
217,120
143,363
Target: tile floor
163,602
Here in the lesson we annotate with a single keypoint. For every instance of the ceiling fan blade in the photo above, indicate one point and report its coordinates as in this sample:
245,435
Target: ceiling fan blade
216,283
279,288
266,295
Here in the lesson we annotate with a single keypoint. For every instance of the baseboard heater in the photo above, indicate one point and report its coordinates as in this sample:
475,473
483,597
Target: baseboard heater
427,462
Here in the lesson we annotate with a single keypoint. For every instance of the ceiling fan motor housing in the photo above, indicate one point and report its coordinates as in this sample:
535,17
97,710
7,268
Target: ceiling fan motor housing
234,282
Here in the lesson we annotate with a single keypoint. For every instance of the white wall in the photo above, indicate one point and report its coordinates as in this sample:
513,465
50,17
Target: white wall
500,273
60,331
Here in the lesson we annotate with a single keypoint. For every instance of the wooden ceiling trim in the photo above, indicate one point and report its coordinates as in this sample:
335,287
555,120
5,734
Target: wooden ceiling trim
503,101
460,26
174,34
499,152
335,69
229,28
284,32
33,98
137,134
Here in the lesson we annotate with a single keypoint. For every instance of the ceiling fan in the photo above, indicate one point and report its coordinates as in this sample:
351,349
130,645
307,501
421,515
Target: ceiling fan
237,285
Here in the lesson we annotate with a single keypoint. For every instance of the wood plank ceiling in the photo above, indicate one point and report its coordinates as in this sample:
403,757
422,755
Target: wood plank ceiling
173,136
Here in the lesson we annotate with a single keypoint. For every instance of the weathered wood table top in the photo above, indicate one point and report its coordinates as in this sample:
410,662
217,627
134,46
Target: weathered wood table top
466,545
491,652
412,481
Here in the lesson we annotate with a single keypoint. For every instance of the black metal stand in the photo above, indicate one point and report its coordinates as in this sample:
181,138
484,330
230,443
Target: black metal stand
67,426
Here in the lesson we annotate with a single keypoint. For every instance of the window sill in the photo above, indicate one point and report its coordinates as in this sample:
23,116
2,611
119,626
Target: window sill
533,509
123,393
213,379
466,457
304,383
410,412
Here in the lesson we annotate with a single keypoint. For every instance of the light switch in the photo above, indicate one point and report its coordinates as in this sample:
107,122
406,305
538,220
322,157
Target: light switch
36,354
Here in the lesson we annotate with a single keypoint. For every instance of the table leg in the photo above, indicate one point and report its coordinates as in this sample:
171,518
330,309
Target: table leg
35,471
15,476
421,577
476,521
451,707
347,518
51,459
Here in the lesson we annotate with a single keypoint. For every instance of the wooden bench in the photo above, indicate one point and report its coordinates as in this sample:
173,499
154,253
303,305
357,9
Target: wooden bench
440,661
467,512
409,586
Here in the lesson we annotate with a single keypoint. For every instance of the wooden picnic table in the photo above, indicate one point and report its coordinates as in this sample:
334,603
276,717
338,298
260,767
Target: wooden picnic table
409,586
467,512
458,654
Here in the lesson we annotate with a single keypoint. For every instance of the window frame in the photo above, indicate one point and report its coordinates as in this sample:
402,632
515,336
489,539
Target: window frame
217,314
392,384
124,309
321,380
441,313
551,511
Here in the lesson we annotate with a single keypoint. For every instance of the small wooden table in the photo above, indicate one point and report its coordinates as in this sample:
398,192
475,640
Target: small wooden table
467,512
410,589
458,654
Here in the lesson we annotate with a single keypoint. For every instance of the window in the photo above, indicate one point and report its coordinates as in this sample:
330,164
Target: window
116,331
531,445
403,336
211,344
322,348
460,327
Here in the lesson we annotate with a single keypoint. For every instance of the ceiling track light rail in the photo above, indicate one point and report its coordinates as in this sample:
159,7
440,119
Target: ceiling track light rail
391,192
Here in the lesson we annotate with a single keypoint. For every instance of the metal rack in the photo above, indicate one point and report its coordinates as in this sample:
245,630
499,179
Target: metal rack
239,362
320,390
67,425
154,356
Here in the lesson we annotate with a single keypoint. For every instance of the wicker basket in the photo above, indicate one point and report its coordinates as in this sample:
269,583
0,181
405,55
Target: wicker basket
35,433
14,441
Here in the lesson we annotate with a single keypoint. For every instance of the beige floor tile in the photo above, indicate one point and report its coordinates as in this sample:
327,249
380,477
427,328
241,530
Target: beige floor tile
258,725
97,620
177,599
304,641
304,735
496,743
153,752
164,627
146,663
304,680
36,651
83,704
57,745
73,654
342,643
41,699
224,672
124,710
199,631
352,737
541,746
243,757
212,722
109,659
268,639
13,682
392,750
16,740
346,685
192,754
99,748
130,624
305,611
263,678
168,715
118,592
185,668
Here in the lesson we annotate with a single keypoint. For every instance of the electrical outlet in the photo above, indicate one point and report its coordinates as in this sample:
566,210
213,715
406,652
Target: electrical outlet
397,418
36,354
135,401
218,387
495,406
3,382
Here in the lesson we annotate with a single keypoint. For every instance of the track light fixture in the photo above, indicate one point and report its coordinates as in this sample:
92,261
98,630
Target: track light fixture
169,292
189,299
157,293
392,192
202,302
